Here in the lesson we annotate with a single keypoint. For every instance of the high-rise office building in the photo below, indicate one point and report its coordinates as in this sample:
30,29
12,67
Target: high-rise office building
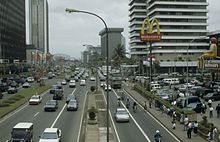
38,50
115,38
183,25
12,31
39,24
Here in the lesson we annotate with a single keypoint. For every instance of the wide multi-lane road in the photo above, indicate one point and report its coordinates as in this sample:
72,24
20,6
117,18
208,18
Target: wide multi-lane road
142,125
67,121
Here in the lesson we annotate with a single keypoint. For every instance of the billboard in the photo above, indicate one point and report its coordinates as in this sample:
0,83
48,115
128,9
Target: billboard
147,34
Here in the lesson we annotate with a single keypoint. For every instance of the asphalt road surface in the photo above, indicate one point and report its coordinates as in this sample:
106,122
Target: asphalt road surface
67,121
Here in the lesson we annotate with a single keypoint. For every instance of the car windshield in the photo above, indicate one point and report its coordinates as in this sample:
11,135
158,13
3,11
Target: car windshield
49,135
71,97
72,102
209,95
35,97
121,112
18,133
51,103
54,86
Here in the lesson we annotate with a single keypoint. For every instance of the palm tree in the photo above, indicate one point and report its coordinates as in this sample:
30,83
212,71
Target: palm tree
119,54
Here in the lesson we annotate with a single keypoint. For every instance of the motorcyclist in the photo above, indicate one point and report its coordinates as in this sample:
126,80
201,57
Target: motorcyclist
157,136
134,106
119,101
127,102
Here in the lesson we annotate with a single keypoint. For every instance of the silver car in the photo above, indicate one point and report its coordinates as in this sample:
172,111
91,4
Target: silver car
72,105
121,115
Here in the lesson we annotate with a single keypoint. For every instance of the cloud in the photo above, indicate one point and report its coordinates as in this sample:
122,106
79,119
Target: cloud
69,31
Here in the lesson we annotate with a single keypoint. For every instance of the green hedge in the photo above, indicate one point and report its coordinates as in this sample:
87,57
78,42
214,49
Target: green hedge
9,104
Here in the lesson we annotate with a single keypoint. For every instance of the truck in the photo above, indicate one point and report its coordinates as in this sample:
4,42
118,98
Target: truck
22,132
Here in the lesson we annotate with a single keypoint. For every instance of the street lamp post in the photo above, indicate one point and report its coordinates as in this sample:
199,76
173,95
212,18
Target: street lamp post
150,62
107,79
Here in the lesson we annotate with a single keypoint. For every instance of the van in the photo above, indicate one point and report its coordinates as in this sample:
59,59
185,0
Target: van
171,81
22,131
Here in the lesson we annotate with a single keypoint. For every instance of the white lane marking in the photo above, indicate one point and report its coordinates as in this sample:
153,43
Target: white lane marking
18,110
55,121
116,132
142,131
58,116
36,114
73,91
80,126
154,118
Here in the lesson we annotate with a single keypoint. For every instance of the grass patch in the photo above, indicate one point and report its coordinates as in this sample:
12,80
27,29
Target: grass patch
61,76
12,103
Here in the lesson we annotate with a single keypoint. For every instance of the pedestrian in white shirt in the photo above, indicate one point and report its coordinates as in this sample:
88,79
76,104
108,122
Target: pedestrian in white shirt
211,112
209,102
186,121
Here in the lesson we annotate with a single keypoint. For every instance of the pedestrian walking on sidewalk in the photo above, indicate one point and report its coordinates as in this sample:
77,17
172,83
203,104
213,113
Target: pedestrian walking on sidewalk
215,133
173,124
186,122
150,102
210,112
145,105
162,108
218,110
174,116
204,107
209,102
195,127
182,118
189,130
210,135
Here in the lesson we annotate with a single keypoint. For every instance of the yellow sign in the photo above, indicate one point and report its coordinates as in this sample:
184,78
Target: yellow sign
150,36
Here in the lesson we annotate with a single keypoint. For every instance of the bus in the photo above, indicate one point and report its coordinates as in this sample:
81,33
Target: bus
116,80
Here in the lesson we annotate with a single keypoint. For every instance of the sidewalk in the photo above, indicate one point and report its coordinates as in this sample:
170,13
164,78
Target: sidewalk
164,119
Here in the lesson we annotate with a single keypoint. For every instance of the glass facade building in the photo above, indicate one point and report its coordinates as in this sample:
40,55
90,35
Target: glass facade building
12,31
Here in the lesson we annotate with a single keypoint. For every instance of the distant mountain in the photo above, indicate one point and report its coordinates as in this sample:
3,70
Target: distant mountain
63,56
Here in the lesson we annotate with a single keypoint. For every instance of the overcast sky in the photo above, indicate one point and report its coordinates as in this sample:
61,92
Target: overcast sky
69,31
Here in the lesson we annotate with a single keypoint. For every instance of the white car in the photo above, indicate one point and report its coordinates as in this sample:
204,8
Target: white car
92,78
83,82
109,87
30,79
121,115
26,85
102,84
63,82
36,99
72,83
51,135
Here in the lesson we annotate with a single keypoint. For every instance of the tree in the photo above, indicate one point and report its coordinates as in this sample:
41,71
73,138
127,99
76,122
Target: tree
119,55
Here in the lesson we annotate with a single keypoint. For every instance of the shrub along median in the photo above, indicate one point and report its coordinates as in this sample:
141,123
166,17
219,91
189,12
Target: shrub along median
13,102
